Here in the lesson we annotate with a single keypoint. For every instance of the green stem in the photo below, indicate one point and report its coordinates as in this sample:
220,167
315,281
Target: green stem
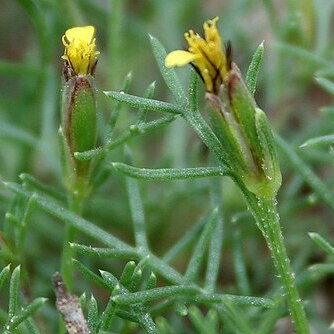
75,204
267,219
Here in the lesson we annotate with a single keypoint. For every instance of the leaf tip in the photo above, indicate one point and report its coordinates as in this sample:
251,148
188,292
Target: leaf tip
312,235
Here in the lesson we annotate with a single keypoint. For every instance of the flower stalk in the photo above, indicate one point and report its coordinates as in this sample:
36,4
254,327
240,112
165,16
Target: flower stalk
267,219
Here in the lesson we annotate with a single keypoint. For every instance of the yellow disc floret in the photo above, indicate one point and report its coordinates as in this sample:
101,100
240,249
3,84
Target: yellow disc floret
205,53
80,49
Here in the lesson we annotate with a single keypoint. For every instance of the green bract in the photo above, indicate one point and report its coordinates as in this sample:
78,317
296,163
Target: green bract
78,130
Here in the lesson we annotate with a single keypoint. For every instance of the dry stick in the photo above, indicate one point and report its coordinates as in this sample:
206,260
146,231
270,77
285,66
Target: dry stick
69,307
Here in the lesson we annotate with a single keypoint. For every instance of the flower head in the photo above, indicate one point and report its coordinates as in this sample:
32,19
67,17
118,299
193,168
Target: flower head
80,49
205,54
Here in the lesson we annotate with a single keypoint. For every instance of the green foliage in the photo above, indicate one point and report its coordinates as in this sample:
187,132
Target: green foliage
165,243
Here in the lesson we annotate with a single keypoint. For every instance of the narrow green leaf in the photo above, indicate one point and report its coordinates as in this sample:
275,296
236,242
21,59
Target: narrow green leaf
10,131
151,282
199,321
163,269
110,280
239,264
31,181
137,311
65,215
155,294
116,111
83,301
25,313
196,260
322,269
167,174
213,320
233,319
185,241
322,243
206,134
144,103
163,326
327,72
107,316
82,225
13,304
191,294
134,131
180,308
303,54
317,141
326,84
21,237
135,280
319,187
269,319
88,274
127,273
131,316
36,13
137,213
4,274
145,321
87,155
104,252
92,316
114,13
254,68
237,300
31,326
214,256
168,74
149,93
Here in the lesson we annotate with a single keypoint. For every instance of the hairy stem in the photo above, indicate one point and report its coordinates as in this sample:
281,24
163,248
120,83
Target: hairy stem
75,204
267,219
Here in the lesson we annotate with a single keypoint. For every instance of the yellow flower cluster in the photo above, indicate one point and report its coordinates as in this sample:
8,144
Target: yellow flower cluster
205,54
80,49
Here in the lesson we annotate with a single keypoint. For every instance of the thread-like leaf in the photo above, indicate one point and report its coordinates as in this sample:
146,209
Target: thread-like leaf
168,74
318,141
144,103
322,243
4,274
25,313
200,248
92,316
13,304
137,213
254,68
167,174
133,131
297,163
326,84
104,252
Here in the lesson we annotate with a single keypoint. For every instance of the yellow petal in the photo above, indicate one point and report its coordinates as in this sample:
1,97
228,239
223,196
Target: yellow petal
80,49
84,33
179,58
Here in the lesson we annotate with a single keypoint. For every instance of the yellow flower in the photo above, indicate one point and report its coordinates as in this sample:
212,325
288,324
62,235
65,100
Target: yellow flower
80,49
205,54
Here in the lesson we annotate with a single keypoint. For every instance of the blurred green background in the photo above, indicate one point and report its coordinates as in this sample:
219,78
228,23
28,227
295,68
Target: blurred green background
299,49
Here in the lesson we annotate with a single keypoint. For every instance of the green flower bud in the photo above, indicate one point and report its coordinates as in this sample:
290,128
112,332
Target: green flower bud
246,136
78,123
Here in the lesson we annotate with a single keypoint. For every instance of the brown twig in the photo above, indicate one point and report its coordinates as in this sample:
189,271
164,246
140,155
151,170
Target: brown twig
69,307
